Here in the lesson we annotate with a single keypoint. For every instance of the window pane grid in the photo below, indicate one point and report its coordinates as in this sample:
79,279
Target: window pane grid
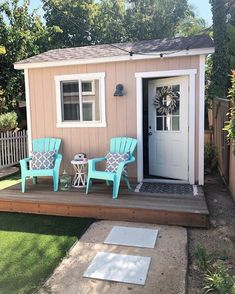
81,106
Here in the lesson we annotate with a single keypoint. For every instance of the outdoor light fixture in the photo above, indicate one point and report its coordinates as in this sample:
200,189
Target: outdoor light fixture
119,90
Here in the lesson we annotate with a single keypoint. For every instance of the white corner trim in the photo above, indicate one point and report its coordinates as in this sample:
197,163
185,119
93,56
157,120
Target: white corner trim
201,118
28,109
191,73
137,188
195,190
139,102
75,124
191,135
126,57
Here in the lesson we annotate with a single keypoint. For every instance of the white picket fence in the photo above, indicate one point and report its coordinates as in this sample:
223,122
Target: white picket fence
13,147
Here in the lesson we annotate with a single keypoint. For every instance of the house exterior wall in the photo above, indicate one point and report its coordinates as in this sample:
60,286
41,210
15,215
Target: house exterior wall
120,111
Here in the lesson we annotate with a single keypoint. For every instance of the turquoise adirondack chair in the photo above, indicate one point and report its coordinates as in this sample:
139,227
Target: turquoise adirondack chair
117,145
42,145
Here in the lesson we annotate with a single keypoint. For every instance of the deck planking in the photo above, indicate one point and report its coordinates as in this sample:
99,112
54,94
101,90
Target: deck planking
175,209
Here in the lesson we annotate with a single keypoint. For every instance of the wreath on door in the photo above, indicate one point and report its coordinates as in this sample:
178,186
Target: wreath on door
164,94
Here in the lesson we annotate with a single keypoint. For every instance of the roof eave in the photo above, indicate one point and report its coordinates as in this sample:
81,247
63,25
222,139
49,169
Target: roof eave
152,55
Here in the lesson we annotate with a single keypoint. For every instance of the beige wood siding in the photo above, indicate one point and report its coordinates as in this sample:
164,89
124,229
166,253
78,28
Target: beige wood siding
120,111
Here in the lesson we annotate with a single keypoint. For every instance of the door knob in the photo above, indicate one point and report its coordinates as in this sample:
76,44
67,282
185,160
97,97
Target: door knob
150,133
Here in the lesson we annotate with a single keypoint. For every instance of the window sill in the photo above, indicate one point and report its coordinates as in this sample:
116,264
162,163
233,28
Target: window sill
81,125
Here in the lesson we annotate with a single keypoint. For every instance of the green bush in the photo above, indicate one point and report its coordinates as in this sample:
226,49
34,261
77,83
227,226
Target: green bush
210,156
216,276
230,124
219,280
8,121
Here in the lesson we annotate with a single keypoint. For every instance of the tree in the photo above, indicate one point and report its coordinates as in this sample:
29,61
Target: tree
110,22
154,19
22,34
113,21
231,31
74,18
220,59
191,24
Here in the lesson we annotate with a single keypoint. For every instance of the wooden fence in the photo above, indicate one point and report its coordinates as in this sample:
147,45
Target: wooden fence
220,109
13,147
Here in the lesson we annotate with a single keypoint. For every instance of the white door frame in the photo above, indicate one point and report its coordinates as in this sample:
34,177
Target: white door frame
191,73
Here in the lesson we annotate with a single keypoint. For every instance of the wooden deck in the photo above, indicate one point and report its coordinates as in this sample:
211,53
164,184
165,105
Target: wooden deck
185,210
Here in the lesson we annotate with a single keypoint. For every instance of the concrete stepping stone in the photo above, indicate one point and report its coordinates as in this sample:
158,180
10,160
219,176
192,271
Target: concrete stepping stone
136,237
119,268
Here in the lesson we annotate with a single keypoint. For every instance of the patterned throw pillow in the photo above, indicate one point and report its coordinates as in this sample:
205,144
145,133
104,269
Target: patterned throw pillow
43,160
113,160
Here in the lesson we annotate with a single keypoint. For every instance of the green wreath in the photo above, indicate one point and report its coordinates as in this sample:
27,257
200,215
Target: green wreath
163,94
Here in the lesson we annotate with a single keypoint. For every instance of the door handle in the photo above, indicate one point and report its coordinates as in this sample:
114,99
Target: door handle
150,133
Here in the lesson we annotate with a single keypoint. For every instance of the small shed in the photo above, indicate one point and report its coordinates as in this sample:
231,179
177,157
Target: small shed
152,90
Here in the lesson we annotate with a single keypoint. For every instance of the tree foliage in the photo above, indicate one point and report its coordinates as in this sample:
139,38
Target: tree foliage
191,24
220,60
231,31
113,21
74,18
22,34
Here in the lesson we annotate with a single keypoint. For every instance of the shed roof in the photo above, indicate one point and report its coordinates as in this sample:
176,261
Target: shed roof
143,47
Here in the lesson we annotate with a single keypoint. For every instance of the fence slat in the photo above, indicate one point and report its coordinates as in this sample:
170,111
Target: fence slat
13,147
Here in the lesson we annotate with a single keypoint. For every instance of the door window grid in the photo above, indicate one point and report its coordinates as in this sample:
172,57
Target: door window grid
171,121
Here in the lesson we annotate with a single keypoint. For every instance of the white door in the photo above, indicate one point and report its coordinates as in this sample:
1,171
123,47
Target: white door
168,127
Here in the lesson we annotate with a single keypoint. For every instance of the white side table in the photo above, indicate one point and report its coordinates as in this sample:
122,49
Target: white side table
80,169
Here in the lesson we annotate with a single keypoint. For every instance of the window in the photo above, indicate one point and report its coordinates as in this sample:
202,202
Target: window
80,100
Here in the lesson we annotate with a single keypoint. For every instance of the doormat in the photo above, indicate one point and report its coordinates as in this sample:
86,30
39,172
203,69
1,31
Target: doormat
166,188
136,237
119,268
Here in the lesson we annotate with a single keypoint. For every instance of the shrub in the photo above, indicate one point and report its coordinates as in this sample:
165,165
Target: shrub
219,280
8,121
230,124
216,276
210,156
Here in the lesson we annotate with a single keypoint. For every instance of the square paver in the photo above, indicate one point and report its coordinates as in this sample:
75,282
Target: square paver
118,267
136,237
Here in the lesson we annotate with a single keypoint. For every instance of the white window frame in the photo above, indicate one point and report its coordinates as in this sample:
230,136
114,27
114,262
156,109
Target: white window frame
81,77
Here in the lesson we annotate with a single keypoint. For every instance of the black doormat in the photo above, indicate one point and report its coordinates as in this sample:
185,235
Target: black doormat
166,188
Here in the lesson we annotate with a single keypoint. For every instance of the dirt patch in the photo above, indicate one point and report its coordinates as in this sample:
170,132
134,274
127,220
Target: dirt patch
167,272
220,237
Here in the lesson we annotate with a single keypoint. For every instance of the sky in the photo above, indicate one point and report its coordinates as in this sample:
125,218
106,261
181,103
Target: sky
203,8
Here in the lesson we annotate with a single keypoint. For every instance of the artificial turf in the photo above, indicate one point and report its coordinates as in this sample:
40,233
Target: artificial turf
10,181
31,246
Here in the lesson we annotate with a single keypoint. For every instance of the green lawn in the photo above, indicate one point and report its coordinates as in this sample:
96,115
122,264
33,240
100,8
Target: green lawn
9,181
31,246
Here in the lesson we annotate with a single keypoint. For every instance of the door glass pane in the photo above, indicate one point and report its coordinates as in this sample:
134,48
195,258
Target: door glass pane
176,110
167,123
159,123
175,123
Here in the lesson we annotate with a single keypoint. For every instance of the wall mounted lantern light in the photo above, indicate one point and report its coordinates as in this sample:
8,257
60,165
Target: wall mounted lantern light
119,90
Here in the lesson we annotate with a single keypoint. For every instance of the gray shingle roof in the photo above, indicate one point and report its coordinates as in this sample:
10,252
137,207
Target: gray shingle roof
107,50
